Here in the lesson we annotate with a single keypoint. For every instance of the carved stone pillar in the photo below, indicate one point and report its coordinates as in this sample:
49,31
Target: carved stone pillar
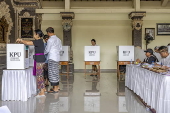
67,24
137,22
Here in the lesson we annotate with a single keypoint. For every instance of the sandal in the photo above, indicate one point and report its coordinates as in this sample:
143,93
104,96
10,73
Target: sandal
46,85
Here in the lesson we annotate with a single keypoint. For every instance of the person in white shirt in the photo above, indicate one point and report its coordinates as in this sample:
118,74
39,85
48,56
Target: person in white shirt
156,53
163,50
94,67
53,49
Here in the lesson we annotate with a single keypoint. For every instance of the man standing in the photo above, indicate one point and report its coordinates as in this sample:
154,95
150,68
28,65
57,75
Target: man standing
53,49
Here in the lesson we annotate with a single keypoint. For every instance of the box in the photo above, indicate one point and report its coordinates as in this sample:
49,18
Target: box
17,56
65,53
168,49
31,55
125,53
92,53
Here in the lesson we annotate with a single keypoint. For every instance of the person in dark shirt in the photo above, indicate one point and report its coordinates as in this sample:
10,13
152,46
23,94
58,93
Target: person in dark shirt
150,57
39,59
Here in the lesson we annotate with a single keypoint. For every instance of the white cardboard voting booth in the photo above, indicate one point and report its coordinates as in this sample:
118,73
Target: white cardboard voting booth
92,53
65,53
17,56
125,53
168,49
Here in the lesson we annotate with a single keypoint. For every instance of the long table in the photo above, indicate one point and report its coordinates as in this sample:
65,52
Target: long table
152,87
18,85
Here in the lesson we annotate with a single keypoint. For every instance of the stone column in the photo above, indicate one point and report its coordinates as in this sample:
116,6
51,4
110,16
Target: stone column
67,24
137,22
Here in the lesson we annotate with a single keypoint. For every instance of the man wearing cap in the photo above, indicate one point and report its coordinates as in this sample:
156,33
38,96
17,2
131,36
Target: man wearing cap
163,50
149,57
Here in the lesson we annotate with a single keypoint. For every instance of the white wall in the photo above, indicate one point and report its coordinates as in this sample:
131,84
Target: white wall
109,30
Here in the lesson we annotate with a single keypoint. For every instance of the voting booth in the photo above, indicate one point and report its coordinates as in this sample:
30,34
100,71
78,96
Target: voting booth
65,53
92,53
17,56
168,49
125,53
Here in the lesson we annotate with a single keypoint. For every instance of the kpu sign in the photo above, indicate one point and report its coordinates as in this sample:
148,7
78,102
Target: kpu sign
16,56
92,53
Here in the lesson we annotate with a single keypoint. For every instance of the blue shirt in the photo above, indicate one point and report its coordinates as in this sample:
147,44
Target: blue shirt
46,61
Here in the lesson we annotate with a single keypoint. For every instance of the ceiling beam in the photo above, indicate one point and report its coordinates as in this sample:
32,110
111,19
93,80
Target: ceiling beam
164,2
136,4
84,11
67,5
100,11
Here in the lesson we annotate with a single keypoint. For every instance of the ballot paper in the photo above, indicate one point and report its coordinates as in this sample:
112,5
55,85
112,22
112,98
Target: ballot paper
4,109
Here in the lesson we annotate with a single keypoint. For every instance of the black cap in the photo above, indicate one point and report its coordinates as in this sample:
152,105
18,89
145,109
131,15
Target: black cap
149,51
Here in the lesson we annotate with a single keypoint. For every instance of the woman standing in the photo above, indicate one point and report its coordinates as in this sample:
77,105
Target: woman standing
39,59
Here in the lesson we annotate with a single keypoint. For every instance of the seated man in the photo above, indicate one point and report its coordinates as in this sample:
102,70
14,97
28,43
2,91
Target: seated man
156,54
163,50
149,57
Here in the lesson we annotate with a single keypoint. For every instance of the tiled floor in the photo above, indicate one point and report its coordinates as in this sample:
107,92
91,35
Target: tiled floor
79,95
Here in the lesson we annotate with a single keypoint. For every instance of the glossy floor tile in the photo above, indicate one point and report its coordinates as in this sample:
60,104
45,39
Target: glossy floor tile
80,95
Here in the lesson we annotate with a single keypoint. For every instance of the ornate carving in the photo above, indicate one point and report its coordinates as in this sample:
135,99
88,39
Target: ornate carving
3,30
67,20
26,14
67,24
4,8
67,15
137,24
137,14
16,8
137,21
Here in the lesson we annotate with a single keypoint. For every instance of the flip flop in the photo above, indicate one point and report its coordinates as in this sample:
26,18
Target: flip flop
46,85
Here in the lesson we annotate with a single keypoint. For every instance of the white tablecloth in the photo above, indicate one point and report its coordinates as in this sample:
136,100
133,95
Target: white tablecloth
152,87
18,84
132,104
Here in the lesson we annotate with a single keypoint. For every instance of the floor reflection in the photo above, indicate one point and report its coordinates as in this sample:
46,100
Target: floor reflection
80,95
92,97
133,104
